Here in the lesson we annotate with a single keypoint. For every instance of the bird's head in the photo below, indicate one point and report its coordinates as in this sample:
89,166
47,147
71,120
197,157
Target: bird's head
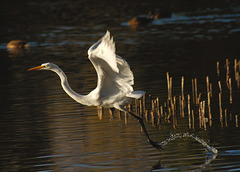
44,66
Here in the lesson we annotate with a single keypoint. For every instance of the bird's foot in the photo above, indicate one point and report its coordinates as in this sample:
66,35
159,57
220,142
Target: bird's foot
156,144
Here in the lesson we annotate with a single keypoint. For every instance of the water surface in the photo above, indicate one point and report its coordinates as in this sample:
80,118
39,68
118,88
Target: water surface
42,129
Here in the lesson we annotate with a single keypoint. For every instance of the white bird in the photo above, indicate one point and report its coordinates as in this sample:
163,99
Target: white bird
115,79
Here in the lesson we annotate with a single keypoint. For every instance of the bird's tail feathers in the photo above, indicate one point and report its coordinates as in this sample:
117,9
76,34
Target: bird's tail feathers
136,94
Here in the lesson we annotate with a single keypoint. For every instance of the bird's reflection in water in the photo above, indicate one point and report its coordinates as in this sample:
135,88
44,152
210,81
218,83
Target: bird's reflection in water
17,48
19,52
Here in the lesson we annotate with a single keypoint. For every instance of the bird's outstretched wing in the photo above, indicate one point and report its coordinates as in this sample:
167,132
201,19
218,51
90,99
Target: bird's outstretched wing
104,49
114,75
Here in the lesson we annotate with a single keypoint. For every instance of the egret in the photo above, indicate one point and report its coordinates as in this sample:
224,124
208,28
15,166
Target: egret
115,79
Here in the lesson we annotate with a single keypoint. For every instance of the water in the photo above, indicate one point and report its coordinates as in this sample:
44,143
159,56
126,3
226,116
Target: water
182,135
42,129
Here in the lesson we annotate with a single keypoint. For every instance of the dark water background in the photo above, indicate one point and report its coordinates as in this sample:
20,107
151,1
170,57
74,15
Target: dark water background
42,129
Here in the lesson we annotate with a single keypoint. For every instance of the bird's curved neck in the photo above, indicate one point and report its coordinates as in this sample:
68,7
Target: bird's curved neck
64,82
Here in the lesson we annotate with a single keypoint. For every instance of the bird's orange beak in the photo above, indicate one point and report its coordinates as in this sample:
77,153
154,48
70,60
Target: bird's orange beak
35,68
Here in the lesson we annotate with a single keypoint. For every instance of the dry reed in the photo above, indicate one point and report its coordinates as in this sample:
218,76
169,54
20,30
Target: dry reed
230,90
195,101
193,91
227,72
226,121
189,112
236,119
193,119
218,71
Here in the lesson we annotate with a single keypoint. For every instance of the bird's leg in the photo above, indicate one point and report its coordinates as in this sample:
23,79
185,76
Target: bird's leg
154,144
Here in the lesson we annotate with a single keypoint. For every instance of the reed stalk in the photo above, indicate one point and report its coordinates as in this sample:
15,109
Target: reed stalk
196,92
236,119
153,105
180,106
189,113
174,113
140,107
236,69
152,118
100,111
161,110
227,72
220,87
170,89
158,107
119,114
203,115
209,106
136,107
193,92
126,118
182,87
205,119
200,116
193,120
146,115
199,98
207,83
169,113
226,121
218,71
166,109
168,85
150,100
144,102
220,107
211,89
230,90
173,106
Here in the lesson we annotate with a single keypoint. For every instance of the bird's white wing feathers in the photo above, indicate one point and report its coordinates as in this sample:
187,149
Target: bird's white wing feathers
126,79
115,77
105,50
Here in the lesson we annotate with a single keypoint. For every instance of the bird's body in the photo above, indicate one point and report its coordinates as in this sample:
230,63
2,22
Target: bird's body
115,79
17,44
141,20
